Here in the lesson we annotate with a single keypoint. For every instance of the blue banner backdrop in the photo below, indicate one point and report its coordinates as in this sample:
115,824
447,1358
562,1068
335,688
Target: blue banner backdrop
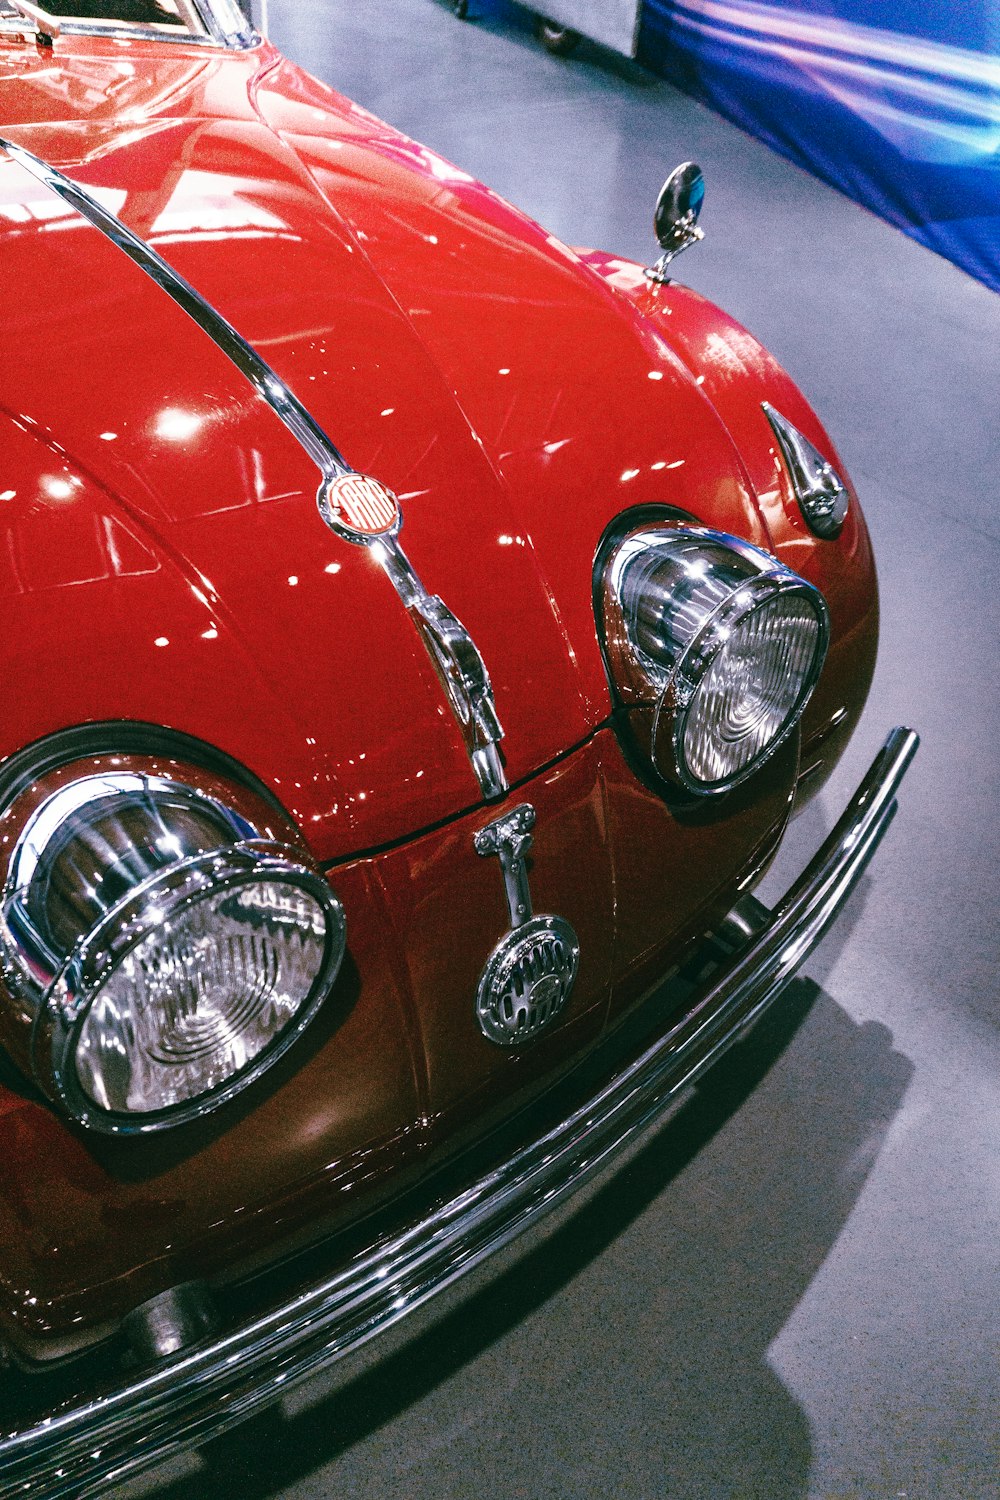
895,102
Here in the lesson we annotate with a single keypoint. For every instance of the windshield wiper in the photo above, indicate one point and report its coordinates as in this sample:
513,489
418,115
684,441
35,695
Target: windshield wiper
47,27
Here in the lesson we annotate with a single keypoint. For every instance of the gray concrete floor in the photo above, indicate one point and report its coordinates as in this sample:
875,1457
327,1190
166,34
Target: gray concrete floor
794,1291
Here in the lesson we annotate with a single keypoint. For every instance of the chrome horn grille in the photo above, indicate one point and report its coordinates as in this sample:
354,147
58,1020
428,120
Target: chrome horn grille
527,980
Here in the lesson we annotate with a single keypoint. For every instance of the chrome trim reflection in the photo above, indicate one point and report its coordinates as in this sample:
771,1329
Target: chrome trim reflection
47,27
226,21
282,401
119,1431
222,24
509,837
454,655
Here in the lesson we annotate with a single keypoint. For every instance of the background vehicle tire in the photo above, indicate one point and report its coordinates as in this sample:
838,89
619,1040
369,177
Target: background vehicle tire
559,40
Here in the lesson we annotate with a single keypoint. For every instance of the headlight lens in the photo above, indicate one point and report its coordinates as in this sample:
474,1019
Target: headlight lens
170,937
199,999
752,692
714,647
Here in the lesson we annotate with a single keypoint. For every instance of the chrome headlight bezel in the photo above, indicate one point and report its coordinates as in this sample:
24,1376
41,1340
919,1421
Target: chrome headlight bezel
660,655
239,840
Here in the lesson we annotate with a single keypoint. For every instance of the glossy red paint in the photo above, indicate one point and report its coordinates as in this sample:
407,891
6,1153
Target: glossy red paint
394,1067
92,1227
388,266
737,374
164,561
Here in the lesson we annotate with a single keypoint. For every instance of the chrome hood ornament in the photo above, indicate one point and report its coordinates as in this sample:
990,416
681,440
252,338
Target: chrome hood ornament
363,511
356,507
529,975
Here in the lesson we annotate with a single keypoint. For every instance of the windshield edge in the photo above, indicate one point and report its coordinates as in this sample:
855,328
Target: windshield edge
224,22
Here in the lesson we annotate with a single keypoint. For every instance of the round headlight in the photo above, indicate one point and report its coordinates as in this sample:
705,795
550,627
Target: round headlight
714,645
169,942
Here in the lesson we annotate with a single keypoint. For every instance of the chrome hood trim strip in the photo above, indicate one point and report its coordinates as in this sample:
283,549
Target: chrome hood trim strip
453,653
283,402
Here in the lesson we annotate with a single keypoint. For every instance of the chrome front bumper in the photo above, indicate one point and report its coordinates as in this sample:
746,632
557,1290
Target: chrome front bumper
186,1398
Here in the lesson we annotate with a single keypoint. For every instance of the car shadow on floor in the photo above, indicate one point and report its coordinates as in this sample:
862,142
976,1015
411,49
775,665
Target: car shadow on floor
644,1321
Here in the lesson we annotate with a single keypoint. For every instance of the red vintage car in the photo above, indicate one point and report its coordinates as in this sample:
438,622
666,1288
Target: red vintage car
417,636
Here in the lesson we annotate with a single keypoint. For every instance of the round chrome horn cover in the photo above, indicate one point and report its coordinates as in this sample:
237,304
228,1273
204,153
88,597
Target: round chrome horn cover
527,980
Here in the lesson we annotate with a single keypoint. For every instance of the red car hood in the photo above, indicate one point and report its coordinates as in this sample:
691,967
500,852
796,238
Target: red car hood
164,557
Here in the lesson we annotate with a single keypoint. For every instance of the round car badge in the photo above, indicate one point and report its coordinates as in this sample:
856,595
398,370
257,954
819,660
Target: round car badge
360,508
